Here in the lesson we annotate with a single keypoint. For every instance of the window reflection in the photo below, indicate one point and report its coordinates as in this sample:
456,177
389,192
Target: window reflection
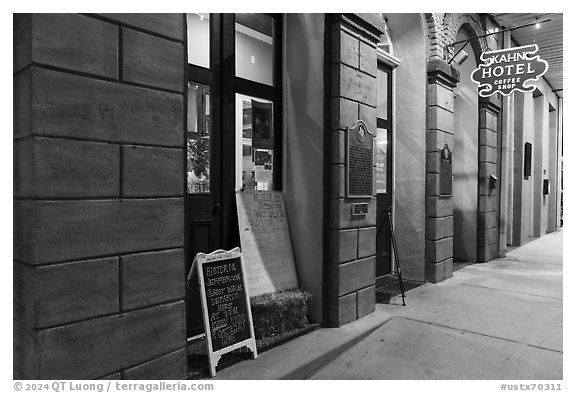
381,160
382,94
199,39
254,143
254,47
198,138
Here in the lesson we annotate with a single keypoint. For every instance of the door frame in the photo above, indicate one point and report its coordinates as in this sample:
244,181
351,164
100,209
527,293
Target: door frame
224,84
390,62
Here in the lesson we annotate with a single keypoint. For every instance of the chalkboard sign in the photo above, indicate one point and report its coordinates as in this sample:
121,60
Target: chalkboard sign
225,304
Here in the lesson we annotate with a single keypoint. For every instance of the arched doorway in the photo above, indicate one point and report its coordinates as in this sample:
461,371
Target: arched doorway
465,156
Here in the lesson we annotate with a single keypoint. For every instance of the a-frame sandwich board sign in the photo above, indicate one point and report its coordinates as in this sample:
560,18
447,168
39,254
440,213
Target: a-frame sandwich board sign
225,304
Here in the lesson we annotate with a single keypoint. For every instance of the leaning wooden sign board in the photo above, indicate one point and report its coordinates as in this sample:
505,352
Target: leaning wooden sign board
225,304
266,243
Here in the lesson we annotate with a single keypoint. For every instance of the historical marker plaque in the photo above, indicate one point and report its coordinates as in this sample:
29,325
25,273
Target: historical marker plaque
445,171
527,159
359,161
225,304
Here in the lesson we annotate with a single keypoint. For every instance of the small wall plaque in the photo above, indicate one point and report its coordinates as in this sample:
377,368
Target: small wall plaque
445,171
359,161
359,209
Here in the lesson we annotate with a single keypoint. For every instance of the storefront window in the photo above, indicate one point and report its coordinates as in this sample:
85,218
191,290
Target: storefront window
254,143
198,138
255,48
381,160
382,87
199,39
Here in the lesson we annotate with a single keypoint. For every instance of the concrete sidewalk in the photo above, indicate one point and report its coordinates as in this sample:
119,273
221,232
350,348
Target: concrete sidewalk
497,320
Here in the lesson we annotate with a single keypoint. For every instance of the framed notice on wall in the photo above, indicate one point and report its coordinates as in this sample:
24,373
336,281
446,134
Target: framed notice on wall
445,171
527,159
262,125
359,161
225,304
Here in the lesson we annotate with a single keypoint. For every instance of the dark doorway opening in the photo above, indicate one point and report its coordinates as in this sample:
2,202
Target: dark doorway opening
383,175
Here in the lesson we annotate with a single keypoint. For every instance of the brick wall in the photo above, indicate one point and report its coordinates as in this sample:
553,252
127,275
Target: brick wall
98,196
352,242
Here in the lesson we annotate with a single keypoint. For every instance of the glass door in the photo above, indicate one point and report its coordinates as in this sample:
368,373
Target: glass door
203,199
232,135
383,176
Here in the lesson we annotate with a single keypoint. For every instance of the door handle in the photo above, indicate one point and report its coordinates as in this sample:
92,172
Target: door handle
217,208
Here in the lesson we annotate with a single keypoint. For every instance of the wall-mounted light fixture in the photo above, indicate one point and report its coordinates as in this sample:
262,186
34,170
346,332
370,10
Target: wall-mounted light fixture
493,180
385,41
460,57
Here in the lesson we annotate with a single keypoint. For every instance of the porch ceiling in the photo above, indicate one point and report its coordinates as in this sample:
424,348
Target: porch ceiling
549,38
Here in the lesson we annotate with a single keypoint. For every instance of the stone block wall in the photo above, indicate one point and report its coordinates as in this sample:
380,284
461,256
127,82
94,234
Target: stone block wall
352,241
488,192
442,80
98,196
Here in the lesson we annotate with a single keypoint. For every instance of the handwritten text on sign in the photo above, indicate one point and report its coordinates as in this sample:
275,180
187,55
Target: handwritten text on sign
226,302
265,242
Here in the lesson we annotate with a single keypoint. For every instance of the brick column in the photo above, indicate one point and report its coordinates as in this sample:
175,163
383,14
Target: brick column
352,241
488,233
98,197
442,80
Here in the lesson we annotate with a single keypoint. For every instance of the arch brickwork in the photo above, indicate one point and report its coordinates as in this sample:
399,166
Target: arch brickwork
442,30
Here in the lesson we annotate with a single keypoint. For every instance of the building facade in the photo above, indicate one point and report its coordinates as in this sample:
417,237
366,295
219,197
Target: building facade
132,133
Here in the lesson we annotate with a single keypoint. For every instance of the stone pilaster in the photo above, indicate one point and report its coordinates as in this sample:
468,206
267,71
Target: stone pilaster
442,80
352,241
488,112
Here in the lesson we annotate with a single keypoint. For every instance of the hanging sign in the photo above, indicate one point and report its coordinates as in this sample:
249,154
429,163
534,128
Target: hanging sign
506,70
225,304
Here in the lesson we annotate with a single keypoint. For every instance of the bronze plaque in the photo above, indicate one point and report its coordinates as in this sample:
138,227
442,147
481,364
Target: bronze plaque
445,171
359,161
